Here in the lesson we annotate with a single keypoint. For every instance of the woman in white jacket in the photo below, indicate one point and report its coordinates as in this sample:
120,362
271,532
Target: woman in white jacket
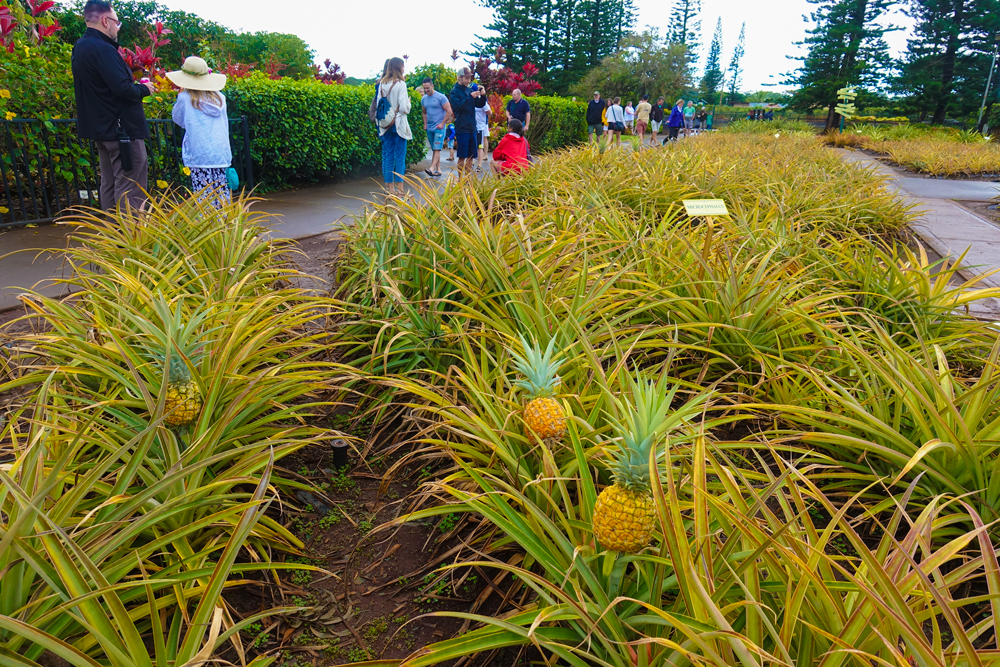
201,110
394,128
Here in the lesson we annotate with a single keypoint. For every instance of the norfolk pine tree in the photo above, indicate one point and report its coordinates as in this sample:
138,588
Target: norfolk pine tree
711,82
563,38
948,57
845,48
685,26
735,67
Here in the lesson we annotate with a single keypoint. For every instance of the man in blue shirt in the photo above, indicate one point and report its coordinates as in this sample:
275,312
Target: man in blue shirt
519,108
437,114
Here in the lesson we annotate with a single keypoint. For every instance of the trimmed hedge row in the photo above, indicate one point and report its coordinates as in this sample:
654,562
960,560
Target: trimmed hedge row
556,122
303,130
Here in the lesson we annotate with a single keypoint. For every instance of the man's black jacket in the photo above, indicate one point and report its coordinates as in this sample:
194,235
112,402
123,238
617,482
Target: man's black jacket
464,106
594,110
105,91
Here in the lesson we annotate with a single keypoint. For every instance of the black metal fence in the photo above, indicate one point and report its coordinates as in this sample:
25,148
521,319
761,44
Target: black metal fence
46,168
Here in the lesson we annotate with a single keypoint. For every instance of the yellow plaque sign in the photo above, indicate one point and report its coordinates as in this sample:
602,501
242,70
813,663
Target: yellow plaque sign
702,207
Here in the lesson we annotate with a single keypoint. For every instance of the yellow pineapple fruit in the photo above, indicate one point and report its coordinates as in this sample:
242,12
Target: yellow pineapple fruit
543,414
624,514
176,347
183,401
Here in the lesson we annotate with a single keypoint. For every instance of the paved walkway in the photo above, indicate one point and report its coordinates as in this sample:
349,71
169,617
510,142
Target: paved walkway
945,227
295,214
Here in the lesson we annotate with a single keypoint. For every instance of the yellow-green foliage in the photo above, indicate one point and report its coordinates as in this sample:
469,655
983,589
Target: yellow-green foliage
857,386
925,149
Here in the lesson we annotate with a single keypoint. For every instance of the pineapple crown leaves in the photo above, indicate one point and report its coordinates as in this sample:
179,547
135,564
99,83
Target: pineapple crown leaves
540,372
644,420
174,338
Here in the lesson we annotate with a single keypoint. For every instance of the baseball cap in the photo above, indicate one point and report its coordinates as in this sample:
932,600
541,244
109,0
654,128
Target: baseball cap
597,92
463,71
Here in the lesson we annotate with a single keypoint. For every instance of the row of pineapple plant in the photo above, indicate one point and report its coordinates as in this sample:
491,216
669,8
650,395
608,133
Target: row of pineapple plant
146,414
633,398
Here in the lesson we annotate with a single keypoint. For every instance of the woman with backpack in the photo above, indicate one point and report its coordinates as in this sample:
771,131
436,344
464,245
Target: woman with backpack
201,110
392,108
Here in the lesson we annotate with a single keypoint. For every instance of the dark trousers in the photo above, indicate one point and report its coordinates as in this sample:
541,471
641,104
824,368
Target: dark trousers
118,185
674,131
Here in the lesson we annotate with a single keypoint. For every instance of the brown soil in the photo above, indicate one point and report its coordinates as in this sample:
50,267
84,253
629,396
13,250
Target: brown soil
376,586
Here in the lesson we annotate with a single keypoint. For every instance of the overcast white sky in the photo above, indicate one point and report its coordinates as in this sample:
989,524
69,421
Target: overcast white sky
358,36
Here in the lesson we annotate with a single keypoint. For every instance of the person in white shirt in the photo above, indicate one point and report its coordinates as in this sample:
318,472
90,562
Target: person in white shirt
201,110
483,135
394,129
616,121
629,115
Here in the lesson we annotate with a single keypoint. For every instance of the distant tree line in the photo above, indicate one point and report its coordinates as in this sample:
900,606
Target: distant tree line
193,35
563,38
583,45
941,75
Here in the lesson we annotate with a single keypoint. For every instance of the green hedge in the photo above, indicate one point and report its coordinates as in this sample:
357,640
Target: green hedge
304,130
556,122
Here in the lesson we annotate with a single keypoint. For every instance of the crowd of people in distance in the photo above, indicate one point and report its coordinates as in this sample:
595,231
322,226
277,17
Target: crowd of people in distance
459,121
760,114
608,116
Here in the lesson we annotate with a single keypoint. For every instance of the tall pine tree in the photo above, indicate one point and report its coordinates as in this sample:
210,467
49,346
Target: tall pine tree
712,80
947,61
846,47
736,65
564,38
685,26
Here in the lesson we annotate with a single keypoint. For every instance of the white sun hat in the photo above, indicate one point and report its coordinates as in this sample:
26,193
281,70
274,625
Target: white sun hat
195,74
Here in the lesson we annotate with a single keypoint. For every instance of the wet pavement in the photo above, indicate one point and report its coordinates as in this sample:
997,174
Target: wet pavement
295,214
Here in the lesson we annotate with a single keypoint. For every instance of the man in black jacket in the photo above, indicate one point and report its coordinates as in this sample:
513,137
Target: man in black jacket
109,106
464,103
595,124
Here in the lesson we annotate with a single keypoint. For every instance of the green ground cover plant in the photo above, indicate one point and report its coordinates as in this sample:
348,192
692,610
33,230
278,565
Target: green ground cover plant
121,527
926,149
816,411
821,479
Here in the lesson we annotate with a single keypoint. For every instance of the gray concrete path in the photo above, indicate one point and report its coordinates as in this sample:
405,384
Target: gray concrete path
295,214
947,228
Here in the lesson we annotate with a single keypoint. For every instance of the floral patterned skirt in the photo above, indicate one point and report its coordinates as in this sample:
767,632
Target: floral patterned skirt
211,183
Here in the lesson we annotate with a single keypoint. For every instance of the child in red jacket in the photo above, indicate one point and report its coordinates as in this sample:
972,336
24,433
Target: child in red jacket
511,154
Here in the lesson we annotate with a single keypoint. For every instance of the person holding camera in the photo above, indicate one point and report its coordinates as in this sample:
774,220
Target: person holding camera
465,99
109,108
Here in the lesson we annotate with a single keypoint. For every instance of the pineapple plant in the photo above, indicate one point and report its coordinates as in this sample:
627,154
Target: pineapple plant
624,514
543,414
